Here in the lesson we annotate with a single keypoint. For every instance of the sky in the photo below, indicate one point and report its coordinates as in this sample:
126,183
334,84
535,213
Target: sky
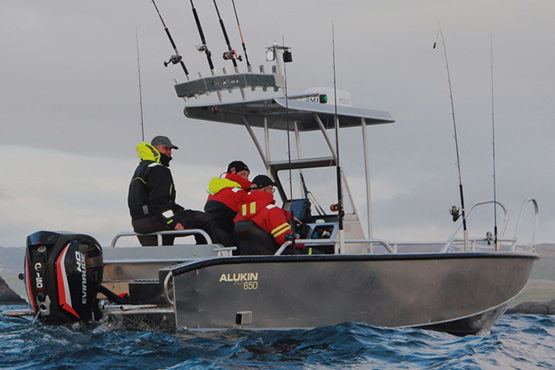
70,106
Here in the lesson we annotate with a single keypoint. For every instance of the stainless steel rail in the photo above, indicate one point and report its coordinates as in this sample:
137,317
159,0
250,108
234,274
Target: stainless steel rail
166,289
369,242
159,235
452,240
536,217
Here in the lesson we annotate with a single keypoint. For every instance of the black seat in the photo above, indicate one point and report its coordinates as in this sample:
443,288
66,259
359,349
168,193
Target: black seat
252,240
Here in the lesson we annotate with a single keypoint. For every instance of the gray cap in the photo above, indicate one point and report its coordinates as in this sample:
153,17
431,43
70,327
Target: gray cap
163,140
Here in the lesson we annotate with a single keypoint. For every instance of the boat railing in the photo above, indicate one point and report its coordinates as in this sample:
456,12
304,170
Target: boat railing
167,289
408,244
475,244
368,242
479,204
488,240
224,251
532,244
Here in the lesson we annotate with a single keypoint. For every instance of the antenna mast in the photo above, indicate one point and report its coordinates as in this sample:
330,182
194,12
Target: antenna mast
140,89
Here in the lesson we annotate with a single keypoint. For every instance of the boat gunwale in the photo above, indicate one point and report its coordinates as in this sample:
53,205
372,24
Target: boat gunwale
194,265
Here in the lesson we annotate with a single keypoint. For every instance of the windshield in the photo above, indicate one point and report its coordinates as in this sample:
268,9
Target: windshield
319,185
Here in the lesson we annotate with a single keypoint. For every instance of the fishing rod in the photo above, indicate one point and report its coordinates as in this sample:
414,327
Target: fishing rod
140,89
203,47
454,209
230,54
339,206
174,59
249,68
293,236
493,140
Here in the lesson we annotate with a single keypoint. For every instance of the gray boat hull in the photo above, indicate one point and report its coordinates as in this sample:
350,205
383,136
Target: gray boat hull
459,293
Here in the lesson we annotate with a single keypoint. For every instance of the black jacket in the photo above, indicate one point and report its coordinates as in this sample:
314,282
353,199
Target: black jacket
151,190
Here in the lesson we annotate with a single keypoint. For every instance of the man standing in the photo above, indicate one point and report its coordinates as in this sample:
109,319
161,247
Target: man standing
151,197
227,193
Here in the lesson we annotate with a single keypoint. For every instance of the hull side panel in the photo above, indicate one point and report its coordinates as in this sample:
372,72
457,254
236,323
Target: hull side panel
309,293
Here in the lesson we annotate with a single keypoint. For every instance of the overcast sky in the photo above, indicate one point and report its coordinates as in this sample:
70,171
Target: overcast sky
70,108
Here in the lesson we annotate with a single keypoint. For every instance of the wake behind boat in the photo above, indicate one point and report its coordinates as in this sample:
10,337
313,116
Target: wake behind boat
462,287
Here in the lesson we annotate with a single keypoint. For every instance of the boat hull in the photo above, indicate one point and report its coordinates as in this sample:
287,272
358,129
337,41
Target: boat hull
460,293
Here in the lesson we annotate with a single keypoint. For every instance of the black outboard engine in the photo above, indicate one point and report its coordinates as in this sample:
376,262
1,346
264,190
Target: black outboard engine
63,272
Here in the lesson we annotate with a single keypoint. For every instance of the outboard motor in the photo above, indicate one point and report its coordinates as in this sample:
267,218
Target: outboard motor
63,273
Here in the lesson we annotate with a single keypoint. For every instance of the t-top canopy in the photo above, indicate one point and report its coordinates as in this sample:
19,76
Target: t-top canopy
280,114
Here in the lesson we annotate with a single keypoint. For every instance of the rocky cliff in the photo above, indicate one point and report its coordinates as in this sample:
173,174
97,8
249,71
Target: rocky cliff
533,308
8,296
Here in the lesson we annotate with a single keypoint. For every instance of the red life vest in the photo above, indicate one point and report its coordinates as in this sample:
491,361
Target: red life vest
229,189
260,208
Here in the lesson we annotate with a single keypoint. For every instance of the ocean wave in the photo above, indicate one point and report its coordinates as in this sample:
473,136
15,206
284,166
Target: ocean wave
516,341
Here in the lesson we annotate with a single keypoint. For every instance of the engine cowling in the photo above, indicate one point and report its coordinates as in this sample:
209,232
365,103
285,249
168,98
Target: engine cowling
63,272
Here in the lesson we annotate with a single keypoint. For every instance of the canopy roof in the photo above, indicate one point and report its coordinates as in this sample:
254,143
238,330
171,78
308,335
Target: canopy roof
280,114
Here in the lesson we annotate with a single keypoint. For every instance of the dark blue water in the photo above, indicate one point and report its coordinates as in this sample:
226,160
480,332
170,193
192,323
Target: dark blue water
516,341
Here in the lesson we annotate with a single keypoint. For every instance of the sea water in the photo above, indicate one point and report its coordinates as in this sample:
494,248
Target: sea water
515,342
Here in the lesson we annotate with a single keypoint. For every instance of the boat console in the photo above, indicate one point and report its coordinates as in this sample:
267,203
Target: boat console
313,227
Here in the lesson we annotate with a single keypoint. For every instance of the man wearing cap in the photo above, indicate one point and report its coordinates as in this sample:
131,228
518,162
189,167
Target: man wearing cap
151,197
226,193
260,208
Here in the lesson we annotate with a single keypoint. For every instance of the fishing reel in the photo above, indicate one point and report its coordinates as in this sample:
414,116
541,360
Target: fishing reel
232,54
203,48
337,207
489,237
455,213
174,59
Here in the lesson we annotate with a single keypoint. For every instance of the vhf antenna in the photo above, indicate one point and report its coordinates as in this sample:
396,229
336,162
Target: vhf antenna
140,89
